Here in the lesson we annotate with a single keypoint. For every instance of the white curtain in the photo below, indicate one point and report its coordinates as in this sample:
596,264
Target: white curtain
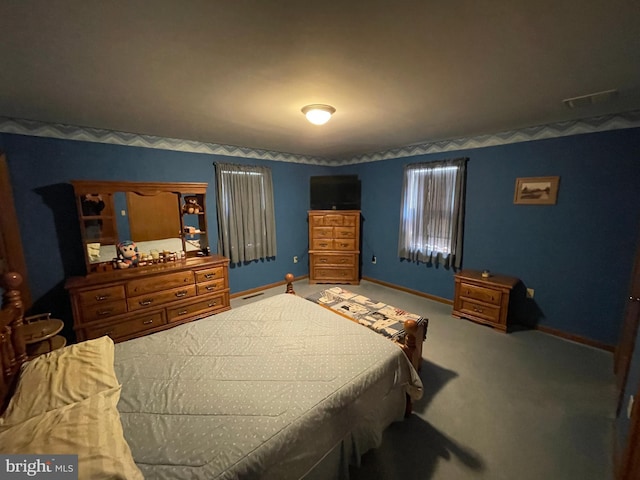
246,214
432,212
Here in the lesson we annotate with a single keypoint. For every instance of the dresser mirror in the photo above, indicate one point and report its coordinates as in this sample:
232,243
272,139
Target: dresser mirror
162,219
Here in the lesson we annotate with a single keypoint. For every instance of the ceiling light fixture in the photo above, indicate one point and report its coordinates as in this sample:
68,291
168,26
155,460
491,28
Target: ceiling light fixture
318,114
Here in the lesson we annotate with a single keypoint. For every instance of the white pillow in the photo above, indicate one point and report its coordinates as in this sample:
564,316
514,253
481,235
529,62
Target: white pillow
60,378
90,429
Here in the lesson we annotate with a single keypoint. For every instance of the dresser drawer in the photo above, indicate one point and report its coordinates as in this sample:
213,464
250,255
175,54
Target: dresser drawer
485,312
322,244
209,274
104,310
337,274
350,220
322,232
210,304
344,232
159,282
158,298
328,259
210,287
334,219
480,293
102,295
127,327
344,244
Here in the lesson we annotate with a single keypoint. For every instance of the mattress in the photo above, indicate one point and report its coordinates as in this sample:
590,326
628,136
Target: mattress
266,390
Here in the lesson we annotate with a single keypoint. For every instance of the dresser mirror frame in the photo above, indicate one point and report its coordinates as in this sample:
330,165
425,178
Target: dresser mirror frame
104,215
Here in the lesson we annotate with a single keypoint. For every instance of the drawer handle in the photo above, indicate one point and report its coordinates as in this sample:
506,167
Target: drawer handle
344,244
144,303
324,244
344,260
212,304
105,312
100,298
209,275
108,333
183,312
323,260
478,310
181,294
209,288
147,322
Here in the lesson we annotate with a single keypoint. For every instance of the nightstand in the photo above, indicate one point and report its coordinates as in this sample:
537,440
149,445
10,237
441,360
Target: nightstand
483,300
40,334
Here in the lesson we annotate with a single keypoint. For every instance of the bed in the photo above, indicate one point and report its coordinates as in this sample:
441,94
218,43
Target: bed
281,388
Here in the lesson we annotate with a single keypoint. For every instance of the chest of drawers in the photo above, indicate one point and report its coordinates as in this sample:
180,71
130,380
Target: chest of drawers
483,300
334,246
129,304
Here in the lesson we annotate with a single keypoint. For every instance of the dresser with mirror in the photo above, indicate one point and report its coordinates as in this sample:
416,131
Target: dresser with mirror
147,259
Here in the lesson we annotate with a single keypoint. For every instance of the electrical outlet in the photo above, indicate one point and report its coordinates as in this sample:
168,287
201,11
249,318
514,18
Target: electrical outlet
630,406
530,292
373,259
295,259
123,213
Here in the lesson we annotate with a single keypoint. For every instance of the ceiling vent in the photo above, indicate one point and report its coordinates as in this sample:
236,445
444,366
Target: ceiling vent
590,99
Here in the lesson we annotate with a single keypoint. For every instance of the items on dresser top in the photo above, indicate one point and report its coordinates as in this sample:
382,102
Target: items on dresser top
134,302
483,298
334,246
166,217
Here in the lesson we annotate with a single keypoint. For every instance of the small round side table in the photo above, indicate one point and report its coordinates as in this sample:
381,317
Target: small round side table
40,334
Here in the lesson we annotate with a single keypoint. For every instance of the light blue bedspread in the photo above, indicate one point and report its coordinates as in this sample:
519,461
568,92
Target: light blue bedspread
262,391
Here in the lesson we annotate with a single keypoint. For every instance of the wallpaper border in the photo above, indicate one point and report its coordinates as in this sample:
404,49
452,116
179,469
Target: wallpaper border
96,135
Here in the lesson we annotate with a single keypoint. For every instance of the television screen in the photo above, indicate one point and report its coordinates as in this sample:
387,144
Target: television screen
335,192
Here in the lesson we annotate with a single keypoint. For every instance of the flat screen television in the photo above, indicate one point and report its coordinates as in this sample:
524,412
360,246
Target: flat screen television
335,192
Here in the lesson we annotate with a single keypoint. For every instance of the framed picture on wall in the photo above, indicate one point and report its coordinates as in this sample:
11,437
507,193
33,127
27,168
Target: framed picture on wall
536,190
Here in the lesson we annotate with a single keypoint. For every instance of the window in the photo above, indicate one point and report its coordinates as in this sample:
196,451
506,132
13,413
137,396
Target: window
246,216
432,212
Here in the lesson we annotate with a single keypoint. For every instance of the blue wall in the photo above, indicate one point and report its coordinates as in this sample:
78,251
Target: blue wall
577,255
40,169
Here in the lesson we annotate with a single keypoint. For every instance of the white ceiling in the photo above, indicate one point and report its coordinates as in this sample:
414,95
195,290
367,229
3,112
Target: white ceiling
237,72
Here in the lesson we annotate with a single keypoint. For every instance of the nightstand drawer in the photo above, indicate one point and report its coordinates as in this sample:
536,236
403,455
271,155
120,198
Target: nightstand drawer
479,310
480,293
158,298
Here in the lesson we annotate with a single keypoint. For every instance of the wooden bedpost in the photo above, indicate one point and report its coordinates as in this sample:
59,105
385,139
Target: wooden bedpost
12,346
12,299
409,349
289,279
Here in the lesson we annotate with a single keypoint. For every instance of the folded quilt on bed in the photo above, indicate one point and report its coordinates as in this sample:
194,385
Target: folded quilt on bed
261,391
